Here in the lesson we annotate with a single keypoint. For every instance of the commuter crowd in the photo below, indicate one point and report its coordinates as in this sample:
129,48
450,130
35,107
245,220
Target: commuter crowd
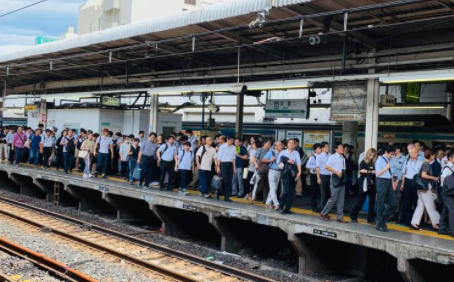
409,183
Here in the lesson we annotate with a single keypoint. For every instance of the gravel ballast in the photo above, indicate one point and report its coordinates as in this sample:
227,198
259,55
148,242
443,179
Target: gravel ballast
16,267
81,259
274,269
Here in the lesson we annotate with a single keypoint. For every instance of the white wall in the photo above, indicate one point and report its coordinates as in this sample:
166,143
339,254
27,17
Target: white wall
114,117
74,118
169,120
135,121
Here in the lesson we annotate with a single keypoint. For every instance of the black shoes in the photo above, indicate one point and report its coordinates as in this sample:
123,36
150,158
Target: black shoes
381,228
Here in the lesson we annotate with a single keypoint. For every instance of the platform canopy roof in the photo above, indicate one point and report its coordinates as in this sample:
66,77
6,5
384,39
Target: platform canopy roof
297,39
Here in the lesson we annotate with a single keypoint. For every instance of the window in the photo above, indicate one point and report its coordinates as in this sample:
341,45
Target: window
190,2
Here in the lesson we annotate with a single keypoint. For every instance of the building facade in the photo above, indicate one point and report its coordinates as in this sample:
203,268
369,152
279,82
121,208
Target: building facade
95,15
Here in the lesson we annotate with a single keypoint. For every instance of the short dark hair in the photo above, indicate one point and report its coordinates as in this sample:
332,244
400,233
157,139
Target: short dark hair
428,153
389,149
316,146
223,138
239,139
189,131
152,133
450,154
415,141
40,125
187,144
132,136
230,138
184,138
324,144
137,140
339,144
170,136
258,144
141,132
296,140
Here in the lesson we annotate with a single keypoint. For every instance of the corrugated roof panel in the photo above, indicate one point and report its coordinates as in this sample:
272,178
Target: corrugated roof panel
283,3
206,14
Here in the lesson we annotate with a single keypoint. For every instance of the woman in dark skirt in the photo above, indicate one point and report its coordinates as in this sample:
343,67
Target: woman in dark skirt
367,186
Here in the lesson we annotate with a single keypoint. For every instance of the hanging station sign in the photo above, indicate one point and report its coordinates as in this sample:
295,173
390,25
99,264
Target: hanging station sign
110,101
286,108
349,101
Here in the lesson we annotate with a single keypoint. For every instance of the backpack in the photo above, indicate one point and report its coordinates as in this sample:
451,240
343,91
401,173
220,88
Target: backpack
79,143
70,146
204,150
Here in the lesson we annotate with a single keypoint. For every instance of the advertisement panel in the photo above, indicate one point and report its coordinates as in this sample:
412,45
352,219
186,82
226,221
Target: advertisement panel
312,137
349,101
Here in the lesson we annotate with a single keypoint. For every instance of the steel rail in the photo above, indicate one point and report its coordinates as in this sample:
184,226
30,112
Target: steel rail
227,270
41,261
5,278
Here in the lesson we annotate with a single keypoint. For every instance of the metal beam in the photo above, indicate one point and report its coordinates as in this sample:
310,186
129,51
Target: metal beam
231,36
334,25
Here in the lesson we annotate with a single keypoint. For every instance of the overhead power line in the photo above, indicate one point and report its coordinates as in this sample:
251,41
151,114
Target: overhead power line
20,9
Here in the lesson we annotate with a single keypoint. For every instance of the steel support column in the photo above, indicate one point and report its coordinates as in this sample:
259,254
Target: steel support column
350,133
372,112
239,102
154,109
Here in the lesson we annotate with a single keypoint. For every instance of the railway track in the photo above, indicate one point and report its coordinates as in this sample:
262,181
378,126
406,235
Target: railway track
57,269
168,262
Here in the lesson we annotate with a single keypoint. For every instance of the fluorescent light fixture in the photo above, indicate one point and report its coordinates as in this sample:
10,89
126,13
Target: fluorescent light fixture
67,96
190,89
279,85
435,77
414,107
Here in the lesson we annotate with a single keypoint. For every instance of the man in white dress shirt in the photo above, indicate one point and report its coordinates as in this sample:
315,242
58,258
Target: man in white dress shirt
336,167
226,166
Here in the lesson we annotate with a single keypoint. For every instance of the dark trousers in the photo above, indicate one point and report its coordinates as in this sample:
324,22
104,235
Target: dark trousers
204,180
148,165
68,161
47,152
185,175
227,176
325,191
362,198
289,192
19,154
386,201
124,168
410,198
314,191
447,215
167,168
103,160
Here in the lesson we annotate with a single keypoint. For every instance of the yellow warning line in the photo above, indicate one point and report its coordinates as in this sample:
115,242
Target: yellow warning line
391,226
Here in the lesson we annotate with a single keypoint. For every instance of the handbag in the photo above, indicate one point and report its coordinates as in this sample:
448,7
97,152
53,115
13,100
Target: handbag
419,183
137,173
216,183
338,181
83,154
245,173
263,169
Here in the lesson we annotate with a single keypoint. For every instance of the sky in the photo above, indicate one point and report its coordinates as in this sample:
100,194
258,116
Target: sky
49,18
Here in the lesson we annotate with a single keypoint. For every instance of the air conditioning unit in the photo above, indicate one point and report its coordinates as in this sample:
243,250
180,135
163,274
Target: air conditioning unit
387,100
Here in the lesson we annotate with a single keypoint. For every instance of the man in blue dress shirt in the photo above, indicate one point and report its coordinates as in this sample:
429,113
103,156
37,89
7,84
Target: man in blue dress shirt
386,199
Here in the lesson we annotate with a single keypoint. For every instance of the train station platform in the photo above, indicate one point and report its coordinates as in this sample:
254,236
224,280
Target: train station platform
356,248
